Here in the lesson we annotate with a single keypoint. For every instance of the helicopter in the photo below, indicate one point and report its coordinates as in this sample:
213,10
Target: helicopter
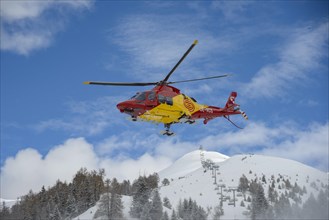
167,105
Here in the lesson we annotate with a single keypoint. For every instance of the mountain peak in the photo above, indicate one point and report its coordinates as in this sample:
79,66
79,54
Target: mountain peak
190,162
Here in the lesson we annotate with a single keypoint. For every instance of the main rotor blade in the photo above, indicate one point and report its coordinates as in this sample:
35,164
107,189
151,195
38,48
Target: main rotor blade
181,59
192,80
121,83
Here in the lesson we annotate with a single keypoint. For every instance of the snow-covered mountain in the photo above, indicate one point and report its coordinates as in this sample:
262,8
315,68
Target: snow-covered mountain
189,163
201,185
211,177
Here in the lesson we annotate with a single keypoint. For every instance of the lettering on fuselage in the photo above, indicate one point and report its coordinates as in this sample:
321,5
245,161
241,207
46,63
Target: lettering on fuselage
189,105
207,110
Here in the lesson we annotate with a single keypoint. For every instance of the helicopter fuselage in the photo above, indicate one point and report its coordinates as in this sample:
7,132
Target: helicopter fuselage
165,104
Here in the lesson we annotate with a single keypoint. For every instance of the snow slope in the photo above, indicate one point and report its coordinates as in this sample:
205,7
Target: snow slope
89,214
189,163
202,186
188,179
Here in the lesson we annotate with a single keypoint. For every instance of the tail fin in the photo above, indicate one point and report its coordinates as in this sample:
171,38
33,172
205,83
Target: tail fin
230,104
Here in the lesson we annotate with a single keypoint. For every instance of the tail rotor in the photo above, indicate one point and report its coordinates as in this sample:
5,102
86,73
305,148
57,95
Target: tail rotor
244,115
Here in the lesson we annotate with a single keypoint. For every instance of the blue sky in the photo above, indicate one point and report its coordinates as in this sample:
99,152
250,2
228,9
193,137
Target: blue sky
52,124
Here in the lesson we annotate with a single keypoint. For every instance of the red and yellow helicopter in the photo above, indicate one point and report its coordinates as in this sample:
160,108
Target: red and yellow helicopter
166,104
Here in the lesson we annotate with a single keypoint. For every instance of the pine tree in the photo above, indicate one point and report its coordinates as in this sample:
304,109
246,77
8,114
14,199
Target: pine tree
259,203
126,188
243,184
115,186
4,211
104,203
189,209
141,197
282,208
145,214
271,194
116,207
316,208
156,207
173,215
197,212
166,203
218,212
323,204
165,182
165,216
71,208
104,206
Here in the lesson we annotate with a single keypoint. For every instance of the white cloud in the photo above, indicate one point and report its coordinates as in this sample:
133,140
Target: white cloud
231,10
299,57
17,10
129,155
131,168
25,41
89,117
25,27
155,45
307,146
29,170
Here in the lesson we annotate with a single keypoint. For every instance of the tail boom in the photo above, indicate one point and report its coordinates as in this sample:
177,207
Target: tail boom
210,112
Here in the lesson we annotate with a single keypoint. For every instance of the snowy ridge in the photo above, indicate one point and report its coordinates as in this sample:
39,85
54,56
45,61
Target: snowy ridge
201,185
189,179
189,163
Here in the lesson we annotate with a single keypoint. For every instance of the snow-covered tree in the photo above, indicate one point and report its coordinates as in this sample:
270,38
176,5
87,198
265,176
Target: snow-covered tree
166,203
316,208
272,194
104,206
259,203
165,182
141,197
173,215
189,209
243,184
156,207
165,216
282,207
4,211
145,214
116,206
218,212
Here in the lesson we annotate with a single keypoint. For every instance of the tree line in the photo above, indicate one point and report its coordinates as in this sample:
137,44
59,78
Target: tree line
61,201
69,200
287,205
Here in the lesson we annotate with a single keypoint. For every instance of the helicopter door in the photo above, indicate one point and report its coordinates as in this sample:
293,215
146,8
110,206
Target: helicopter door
151,99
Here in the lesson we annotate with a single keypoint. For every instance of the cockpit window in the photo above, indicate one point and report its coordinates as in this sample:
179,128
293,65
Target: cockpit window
151,96
161,98
141,96
164,99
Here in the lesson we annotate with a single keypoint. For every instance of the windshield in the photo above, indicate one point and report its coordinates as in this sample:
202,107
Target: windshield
140,96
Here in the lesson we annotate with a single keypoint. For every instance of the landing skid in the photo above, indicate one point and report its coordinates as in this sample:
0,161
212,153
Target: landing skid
167,133
228,118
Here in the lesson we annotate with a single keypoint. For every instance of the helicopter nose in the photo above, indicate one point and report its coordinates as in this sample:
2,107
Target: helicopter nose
121,106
